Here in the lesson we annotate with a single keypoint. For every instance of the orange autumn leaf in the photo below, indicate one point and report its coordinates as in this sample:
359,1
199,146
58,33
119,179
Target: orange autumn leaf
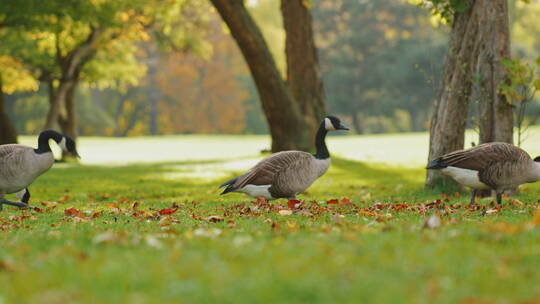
293,204
332,202
112,205
167,211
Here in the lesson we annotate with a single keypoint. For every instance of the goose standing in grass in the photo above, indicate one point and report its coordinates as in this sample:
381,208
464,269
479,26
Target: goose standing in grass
288,173
498,166
21,165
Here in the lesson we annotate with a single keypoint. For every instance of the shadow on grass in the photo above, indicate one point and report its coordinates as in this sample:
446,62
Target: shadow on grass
386,181
150,181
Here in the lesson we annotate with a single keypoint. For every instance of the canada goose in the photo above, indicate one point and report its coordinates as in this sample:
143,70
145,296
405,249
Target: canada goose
287,173
498,166
21,165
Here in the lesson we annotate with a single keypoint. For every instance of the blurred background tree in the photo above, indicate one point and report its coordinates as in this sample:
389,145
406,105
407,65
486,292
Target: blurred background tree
172,67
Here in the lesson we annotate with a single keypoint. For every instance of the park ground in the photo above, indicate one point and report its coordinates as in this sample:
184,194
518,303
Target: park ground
140,220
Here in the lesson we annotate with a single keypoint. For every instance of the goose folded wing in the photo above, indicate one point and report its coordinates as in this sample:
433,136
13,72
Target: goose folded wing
482,156
265,172
10,159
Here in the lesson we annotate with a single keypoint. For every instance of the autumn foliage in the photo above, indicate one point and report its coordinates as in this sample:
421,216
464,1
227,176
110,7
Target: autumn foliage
203,95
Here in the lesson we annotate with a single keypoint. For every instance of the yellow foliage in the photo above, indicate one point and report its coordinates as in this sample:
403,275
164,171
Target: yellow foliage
15,77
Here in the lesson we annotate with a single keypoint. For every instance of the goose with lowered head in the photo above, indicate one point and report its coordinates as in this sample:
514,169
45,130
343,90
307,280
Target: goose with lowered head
498,166
288,173
21,165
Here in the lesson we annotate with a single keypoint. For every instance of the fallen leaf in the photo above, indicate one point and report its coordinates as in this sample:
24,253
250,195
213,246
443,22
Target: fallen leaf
292,226
49,204
285,212
214,219
97,214
516,203
293,204
434,221
112,205
167,211
491,211
73,212
346,201
332,202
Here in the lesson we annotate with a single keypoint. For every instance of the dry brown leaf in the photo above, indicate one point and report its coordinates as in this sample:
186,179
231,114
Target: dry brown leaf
516,203
214,219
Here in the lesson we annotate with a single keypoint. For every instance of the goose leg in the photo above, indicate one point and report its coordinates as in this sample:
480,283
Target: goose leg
473,197
4,201
24,195
499,198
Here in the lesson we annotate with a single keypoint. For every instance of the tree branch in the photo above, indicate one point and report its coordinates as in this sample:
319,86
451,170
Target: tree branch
81,53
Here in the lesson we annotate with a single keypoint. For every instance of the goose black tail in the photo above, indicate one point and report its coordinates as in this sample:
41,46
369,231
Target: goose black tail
436,164
229,184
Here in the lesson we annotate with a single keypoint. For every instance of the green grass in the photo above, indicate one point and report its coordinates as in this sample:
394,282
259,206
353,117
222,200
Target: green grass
366,251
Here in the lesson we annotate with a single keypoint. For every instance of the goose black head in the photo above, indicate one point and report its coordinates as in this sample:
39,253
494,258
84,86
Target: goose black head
333,123
537,159
68,145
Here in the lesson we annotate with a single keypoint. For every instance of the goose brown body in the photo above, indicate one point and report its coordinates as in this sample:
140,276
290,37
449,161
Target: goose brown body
498,166
20,166
287,173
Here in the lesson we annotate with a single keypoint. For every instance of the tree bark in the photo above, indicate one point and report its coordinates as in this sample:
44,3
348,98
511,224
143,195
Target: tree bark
67,120
55,98
447,131
303,74
357,124
8,134
71,66
283,113
495,112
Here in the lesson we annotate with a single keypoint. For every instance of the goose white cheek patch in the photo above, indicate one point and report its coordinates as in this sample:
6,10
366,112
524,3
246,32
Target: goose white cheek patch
328,124
62,144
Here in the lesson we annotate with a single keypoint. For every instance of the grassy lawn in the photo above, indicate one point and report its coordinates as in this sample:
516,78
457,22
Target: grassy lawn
148,226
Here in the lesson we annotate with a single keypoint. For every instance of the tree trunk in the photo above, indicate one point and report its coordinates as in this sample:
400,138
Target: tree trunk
357,124
303,76
495,113
55,101
283,113
67,120
8,134
447,132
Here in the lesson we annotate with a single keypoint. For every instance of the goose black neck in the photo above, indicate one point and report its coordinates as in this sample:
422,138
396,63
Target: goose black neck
320,144
43,141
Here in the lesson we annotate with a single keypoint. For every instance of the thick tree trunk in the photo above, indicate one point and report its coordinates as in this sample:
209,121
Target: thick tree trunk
283,113
8,134
303,75
495,113
447,132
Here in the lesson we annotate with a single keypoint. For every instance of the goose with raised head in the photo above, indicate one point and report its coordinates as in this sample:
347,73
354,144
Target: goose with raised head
288,173
21,165
498,166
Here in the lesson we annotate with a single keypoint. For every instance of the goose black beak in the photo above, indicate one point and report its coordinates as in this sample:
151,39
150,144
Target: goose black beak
343,127
76,154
